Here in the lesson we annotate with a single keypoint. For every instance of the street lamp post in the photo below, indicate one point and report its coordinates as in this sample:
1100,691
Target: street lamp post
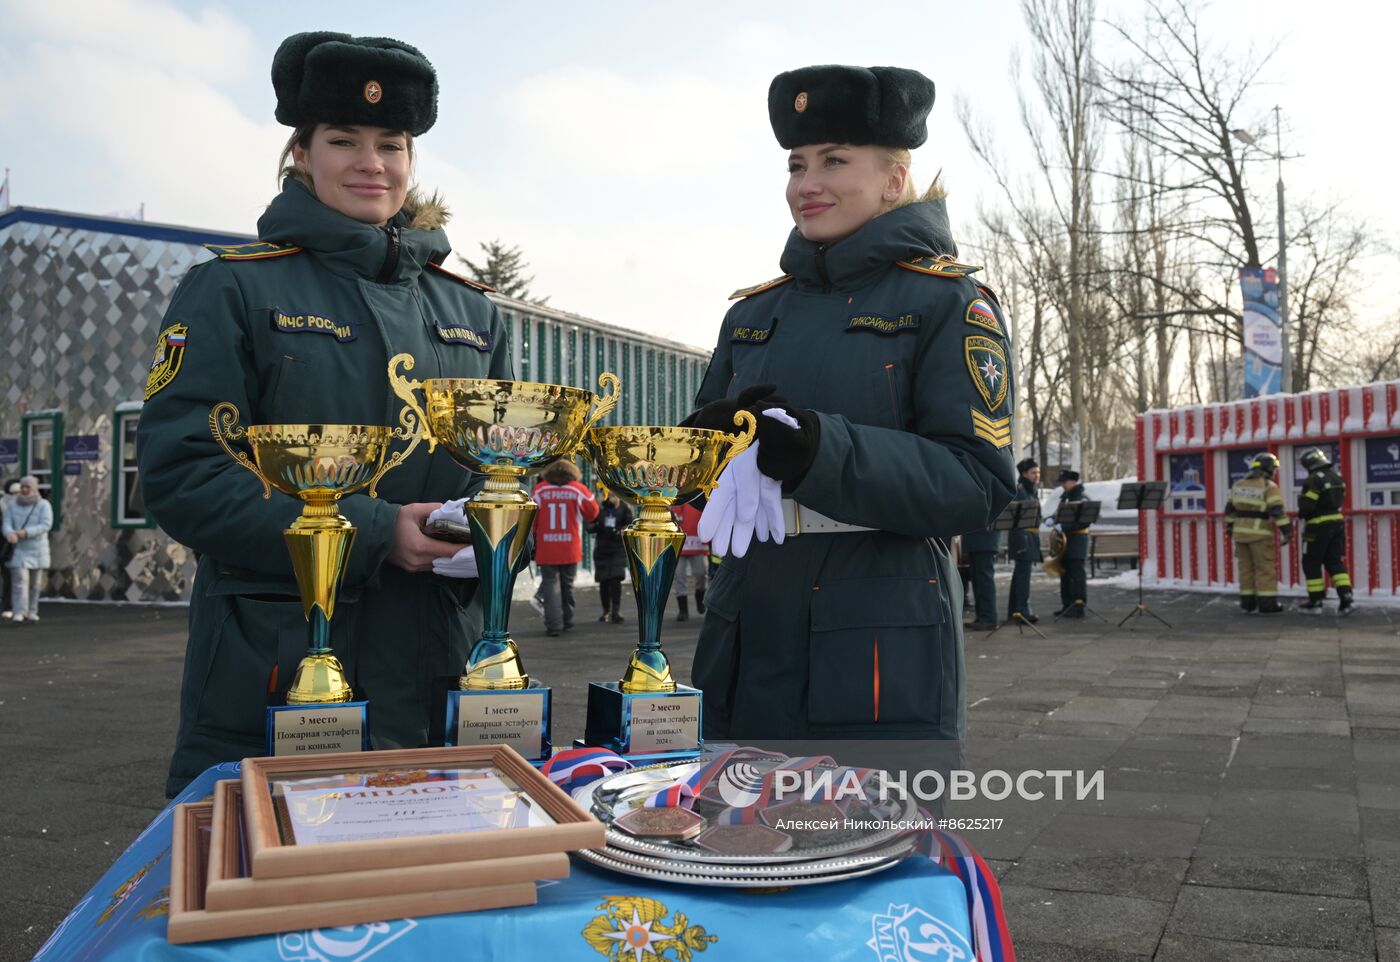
1248,138
1282,265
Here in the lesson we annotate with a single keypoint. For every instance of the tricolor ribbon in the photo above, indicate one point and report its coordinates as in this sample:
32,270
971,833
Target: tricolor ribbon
991,936
682,794
575,767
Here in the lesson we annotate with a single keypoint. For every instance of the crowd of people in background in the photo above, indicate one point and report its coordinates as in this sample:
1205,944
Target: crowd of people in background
1254,515
568,509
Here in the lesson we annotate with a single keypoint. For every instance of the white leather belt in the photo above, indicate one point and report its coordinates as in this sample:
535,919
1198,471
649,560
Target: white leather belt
799,519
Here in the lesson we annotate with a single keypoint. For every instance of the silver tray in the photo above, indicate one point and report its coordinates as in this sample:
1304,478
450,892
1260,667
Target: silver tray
764,873
775,881
686,852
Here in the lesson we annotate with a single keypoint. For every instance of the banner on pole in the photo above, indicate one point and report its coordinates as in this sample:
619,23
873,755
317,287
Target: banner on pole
1263,335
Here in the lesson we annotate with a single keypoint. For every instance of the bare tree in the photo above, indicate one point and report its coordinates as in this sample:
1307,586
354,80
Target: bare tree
1325,247
1060,121
1186,100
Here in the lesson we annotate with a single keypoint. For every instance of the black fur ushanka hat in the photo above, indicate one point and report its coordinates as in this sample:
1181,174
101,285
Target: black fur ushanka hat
885,106
334,78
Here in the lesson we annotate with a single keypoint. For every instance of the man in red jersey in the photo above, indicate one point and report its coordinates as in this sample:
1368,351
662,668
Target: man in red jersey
694,562
564,504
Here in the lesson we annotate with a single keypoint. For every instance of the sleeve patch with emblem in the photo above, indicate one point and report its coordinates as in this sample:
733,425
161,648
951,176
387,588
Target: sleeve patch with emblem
997,431
980,314
170,351
986,363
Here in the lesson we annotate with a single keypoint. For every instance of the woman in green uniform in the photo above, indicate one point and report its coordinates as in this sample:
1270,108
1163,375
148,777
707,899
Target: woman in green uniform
299,328
892,363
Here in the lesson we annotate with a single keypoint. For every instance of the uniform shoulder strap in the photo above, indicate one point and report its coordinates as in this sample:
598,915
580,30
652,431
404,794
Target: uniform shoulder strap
760,288
459,278
942,266
256,251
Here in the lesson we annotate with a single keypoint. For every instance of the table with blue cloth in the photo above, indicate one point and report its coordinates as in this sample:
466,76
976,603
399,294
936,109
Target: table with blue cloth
916,910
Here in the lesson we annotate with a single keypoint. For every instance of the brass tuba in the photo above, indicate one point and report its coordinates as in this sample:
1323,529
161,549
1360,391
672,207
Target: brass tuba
1054,565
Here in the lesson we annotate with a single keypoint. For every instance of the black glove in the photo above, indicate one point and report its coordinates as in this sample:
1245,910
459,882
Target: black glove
786,453
719,415
1286,534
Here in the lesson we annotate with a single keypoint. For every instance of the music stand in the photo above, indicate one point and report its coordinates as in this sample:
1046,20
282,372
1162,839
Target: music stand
1015,516
1141,496
1073,515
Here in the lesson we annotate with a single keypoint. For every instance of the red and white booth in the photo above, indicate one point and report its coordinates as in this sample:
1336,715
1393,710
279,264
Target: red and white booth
1201,449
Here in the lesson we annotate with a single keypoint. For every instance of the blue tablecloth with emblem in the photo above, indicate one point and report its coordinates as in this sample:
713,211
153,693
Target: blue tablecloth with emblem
915,911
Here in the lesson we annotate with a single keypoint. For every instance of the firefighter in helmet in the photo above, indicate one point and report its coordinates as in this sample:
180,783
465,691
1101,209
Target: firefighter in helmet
1324,532
1255,508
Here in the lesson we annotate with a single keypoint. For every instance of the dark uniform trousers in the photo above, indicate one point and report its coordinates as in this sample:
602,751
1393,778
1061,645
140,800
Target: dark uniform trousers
1024,548
982,548
1020,588
1324,538
1074,583
984,586
1325,547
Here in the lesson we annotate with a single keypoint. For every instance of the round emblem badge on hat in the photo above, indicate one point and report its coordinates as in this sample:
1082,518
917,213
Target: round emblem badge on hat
800,104
334,78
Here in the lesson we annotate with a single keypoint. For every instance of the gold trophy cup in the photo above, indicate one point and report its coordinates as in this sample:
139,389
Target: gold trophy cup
646,713
504,430
319,464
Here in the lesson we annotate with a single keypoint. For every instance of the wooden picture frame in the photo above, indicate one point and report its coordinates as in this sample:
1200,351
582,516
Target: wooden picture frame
230,885
270,829
191,921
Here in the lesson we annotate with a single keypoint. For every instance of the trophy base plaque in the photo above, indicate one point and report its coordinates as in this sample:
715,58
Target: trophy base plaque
662,725
318,729
520,719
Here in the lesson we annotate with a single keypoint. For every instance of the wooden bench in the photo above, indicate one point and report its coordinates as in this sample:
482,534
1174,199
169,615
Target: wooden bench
1113,545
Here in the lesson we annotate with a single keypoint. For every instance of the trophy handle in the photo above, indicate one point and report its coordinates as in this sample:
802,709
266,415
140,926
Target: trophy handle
223,424
748,426
603,403
413,425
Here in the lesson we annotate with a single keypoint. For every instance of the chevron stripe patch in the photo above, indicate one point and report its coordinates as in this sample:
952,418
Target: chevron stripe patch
996,431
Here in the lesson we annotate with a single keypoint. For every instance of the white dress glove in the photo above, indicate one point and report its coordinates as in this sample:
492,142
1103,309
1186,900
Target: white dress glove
770,508
747,504
463,563
720,522
451,511
460,565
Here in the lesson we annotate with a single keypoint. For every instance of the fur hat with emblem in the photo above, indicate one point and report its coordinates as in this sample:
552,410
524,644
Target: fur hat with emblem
883,106
334,78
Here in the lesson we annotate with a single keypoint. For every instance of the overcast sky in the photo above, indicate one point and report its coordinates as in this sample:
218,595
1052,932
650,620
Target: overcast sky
624,146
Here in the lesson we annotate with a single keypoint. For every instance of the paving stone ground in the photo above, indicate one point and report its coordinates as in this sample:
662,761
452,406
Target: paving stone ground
1251,804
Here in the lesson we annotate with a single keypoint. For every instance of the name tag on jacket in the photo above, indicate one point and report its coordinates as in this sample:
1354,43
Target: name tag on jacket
286,322
750,335
481,340
881,324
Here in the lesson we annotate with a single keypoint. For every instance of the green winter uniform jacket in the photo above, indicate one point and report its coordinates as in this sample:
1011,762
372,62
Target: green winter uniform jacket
1076,539
300,329
904,360
1023,544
